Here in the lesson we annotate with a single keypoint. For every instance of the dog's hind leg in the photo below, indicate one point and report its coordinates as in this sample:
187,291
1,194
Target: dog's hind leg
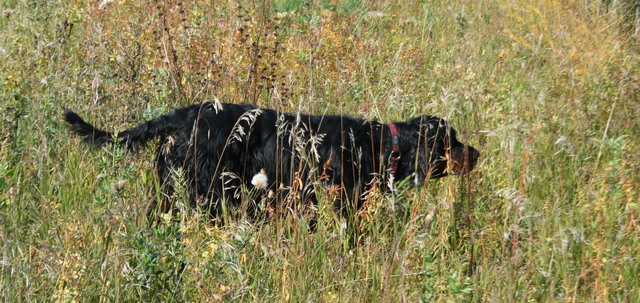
164,199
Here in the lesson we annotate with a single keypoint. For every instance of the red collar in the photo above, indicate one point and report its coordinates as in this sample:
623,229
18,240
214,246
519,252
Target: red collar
395,148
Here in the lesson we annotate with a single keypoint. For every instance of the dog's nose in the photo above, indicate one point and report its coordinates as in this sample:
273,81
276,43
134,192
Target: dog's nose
464,159
471,156
474,153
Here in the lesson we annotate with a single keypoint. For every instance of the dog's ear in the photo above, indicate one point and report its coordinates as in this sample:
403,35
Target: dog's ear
428,123
419,121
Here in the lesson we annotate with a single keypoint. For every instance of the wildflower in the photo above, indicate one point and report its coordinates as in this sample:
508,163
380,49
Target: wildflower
104,3
119,185
374,15
260,180
185,227
166,218
7,12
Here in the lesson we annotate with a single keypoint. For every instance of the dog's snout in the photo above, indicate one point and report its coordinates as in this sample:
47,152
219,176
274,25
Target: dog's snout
473,153
464,159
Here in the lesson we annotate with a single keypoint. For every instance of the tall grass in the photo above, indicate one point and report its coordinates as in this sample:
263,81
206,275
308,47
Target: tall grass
547,91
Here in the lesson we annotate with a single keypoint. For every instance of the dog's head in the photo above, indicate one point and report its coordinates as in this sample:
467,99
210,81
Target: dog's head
436,151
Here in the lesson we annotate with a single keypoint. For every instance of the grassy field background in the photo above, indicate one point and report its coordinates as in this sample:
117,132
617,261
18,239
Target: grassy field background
547,90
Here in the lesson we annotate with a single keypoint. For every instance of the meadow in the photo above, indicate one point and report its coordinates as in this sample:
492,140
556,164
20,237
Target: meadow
547,90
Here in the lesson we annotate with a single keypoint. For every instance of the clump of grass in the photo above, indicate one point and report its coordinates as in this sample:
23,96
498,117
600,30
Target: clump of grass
547,90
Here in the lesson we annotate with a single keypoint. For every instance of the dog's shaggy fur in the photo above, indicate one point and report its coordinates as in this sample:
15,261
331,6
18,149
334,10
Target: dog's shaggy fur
220,147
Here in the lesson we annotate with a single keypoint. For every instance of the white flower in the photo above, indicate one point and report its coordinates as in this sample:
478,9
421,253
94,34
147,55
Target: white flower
7,12
374,15
104,4
260,180
118,186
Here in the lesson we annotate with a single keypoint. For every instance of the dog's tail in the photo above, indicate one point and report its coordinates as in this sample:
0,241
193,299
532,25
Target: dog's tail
132,138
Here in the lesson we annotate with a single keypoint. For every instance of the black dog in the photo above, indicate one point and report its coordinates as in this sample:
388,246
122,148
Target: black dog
219,147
